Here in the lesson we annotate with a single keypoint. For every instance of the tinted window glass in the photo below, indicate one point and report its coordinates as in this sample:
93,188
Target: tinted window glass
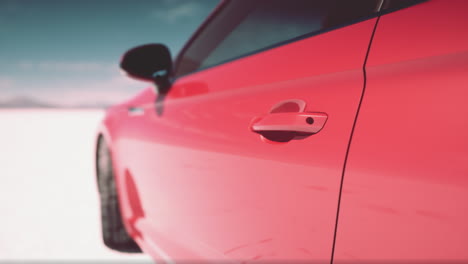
391,5
243,27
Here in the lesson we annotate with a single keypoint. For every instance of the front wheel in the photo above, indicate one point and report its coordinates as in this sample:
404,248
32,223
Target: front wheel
114,234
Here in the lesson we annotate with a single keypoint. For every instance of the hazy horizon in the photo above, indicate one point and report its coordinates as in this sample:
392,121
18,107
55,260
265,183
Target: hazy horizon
66,53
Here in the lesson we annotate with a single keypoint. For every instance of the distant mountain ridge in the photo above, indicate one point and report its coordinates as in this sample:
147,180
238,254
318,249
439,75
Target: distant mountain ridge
30,102
24,102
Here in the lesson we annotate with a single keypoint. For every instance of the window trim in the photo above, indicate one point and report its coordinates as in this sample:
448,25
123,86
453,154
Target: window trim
195,35
223,4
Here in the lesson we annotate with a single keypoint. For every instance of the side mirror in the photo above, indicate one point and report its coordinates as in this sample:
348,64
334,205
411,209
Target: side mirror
150,62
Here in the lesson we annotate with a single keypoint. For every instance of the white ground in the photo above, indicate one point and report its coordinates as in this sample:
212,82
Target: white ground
48,196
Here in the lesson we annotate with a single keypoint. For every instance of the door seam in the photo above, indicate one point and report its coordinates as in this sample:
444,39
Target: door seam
351,137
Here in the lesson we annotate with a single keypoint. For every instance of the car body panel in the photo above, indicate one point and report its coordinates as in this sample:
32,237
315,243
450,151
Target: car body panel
405,189
205,187
195,183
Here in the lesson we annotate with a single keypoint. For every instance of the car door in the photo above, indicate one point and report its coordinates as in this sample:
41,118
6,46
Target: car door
242,159
405,189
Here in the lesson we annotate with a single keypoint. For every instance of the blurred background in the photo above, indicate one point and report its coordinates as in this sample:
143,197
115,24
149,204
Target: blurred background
65,53
58,72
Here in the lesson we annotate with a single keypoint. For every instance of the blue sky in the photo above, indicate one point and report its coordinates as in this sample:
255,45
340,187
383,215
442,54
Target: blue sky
67,51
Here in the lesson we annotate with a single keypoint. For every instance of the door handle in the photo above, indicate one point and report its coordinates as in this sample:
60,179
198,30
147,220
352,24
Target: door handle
287,120
302,123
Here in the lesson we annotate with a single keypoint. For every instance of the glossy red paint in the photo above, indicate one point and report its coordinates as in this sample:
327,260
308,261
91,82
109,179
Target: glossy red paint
197,184
405,191
209,188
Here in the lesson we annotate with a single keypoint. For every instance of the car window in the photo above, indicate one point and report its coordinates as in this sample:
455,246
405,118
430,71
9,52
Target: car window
243,27
392,5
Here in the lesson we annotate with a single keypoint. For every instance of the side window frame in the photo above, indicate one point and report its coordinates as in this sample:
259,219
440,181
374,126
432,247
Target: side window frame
195,35
384,7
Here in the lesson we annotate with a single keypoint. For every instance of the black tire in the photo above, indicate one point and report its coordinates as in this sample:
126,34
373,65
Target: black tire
114,234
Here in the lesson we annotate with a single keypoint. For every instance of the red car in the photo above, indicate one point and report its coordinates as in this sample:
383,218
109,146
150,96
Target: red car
296,131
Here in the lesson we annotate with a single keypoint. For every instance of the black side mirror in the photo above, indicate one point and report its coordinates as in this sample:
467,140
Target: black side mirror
150,62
